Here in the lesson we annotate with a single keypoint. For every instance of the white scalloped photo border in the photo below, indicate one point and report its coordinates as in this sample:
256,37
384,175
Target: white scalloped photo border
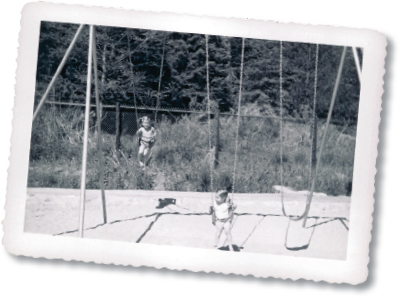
353,270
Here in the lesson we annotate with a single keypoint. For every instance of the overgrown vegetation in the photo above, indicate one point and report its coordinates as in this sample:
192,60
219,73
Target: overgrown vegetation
129,62
182,152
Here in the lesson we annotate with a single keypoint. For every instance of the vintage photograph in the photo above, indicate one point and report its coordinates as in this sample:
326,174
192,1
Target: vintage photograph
194,143
194,140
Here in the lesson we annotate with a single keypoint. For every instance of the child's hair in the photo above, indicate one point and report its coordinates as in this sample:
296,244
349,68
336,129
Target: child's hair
221,191
144,119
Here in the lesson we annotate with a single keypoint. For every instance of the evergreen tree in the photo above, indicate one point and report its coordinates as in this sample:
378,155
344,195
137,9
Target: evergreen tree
129,65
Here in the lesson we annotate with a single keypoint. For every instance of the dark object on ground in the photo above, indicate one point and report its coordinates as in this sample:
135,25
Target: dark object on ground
165,202
226,248
298,248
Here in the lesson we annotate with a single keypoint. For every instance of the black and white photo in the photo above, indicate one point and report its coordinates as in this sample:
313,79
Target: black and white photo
159,139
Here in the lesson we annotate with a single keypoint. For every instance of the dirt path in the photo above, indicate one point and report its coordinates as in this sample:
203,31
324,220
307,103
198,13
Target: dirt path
159,181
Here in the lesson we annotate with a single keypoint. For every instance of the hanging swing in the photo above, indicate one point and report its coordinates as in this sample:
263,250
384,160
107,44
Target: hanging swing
302,235
313,136
211,154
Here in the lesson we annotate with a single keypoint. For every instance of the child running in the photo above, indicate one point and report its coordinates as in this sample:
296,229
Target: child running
146,134
223,212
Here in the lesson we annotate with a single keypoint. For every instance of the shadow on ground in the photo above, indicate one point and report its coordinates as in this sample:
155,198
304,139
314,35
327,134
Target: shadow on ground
226,248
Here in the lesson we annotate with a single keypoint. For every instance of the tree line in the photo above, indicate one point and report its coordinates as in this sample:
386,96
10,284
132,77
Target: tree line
130,62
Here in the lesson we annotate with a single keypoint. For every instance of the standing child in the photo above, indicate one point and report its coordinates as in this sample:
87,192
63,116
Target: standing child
146,134
223,212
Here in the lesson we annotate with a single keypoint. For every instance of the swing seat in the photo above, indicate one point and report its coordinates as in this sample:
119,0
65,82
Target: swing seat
297,237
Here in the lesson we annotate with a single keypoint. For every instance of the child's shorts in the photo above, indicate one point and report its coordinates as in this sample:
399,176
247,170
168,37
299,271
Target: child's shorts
224,220
146,144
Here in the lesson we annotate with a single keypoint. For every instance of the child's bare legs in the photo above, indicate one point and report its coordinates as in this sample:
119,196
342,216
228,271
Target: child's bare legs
227,228
219,225
146,155
140,155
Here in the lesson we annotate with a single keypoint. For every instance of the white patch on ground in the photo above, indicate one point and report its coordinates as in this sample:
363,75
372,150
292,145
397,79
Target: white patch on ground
288,190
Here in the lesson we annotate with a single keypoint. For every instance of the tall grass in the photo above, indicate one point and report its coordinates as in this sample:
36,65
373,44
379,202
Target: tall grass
56,154
182,154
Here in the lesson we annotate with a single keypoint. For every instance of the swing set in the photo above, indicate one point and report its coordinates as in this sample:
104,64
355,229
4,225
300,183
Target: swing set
313,166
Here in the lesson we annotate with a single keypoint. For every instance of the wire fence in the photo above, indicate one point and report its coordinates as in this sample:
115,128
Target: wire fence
180,158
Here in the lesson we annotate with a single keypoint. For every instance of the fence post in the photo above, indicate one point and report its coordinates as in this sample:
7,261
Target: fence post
216,155
117,127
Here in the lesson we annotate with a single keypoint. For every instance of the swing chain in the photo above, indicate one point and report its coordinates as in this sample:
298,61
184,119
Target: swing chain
211,155
281,121
310,174
314,115
238,119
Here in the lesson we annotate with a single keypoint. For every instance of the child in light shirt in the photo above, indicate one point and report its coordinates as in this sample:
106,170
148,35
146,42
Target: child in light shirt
147,136
223,208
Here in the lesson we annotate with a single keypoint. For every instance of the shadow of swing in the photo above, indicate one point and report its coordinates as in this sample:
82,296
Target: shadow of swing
163,202
226,248
298,248
341,220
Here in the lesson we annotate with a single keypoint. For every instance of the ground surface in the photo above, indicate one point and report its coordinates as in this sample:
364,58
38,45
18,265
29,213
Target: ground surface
137,216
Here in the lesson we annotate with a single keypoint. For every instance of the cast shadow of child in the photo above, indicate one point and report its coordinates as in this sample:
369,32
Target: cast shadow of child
226,248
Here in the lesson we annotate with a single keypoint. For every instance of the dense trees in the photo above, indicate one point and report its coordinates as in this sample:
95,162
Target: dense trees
129,62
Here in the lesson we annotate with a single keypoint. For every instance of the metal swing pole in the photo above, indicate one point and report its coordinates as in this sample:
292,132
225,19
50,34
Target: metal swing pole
357,62
85,135
59,69
99,135
309,199
160,78
209,123
133,81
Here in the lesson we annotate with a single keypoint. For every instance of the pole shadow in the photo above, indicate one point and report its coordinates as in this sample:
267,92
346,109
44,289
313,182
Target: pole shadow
148,228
